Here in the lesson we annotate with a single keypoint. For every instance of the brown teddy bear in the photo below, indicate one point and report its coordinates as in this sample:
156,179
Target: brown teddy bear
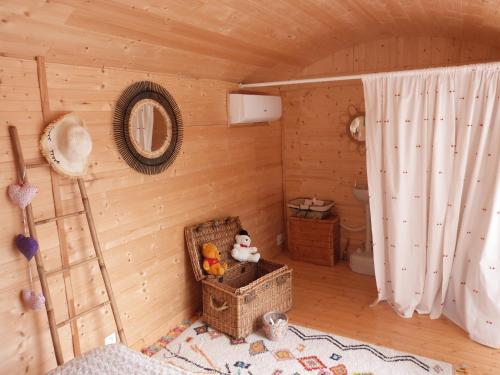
211,261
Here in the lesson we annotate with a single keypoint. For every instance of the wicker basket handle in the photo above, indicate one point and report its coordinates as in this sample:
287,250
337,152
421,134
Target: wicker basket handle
222,307
250,296
282,279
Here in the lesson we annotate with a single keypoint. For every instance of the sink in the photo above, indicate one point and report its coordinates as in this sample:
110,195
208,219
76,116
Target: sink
361,194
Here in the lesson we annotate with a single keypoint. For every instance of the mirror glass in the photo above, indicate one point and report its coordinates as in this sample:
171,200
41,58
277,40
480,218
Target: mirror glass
150,128
357,128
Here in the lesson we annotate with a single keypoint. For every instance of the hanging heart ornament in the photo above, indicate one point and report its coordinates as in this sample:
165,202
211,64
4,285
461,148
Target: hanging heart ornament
26,294
27,245
33,300
22,195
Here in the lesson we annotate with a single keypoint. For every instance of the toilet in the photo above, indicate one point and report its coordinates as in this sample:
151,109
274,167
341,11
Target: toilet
361,260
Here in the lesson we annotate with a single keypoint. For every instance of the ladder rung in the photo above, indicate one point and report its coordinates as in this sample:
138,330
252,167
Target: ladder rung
45,221
72,265
63,323
37,164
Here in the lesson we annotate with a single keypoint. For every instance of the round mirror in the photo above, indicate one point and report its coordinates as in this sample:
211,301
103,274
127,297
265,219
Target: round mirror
148,127
356,128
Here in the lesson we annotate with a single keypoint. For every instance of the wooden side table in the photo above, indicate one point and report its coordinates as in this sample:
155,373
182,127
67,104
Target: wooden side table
314,241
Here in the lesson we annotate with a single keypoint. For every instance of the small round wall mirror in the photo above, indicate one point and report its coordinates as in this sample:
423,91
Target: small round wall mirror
148,127
356,128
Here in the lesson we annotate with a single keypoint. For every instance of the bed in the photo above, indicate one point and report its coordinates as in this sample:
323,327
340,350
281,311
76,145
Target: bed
115,359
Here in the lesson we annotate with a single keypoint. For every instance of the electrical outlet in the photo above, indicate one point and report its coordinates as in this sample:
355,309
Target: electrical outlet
279,239
111,339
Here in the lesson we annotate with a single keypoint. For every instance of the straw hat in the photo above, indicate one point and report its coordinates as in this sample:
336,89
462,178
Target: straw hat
66,145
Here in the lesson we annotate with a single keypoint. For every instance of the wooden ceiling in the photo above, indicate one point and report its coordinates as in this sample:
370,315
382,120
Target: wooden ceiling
234,40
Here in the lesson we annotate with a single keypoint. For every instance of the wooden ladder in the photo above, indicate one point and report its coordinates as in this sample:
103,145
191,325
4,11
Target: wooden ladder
43,274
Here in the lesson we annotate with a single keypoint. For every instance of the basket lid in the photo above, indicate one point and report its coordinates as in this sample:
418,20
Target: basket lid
220,232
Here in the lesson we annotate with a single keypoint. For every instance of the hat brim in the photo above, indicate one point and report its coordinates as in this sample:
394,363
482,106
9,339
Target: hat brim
49,149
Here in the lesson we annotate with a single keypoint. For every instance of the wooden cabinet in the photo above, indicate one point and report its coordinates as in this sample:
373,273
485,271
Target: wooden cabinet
314,241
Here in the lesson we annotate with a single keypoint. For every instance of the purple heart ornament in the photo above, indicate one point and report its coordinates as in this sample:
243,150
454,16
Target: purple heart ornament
26,245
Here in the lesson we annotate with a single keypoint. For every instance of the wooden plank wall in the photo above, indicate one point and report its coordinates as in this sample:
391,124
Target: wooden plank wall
318,156
140,219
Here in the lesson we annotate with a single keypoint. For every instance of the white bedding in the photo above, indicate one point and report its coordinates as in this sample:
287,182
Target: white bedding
115,359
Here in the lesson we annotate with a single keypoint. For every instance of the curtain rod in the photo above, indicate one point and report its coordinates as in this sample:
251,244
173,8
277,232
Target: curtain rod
300,81
359,76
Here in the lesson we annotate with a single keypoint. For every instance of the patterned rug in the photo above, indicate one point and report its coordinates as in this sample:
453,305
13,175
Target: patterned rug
203,350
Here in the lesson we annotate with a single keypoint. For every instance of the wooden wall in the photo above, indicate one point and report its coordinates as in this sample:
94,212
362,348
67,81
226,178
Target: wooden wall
318,156
399,53
140,219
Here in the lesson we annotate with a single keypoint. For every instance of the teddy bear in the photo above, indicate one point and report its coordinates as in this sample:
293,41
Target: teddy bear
211,261
242,251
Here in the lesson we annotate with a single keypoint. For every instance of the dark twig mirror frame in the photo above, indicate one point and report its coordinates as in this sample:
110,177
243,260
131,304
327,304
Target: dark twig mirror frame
132,95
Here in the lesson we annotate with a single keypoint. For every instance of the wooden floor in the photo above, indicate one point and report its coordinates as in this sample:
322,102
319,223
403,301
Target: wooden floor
336,300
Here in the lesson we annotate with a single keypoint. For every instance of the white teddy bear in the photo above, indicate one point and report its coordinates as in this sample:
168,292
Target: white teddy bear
242,250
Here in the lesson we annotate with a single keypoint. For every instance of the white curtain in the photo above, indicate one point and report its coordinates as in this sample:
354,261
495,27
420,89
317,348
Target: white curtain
143,124
433,160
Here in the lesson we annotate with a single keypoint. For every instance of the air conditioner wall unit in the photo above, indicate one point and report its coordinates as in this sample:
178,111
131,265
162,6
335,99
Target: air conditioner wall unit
247,109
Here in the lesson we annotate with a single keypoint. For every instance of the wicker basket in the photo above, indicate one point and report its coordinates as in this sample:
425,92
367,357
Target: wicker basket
311,208
235,303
